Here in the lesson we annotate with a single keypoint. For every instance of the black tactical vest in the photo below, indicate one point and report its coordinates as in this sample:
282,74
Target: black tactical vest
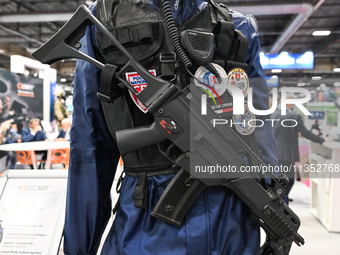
143,32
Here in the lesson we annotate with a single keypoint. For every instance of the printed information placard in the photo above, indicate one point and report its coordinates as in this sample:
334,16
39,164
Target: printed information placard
29,211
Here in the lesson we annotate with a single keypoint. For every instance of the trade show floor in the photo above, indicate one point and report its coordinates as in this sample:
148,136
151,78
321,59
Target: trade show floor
317,239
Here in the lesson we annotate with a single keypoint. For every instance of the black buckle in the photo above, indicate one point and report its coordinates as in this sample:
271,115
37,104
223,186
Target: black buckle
104,98
168,57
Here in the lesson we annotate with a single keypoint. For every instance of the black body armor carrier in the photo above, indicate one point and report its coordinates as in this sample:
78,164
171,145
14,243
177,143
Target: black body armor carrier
144,33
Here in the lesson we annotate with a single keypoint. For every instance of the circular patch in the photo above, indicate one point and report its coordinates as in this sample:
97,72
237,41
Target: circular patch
204,75
241,122
238,77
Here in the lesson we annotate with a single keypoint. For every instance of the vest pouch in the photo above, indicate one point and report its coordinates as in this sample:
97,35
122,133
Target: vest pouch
142,41
205,21
224,35
231,44
134,24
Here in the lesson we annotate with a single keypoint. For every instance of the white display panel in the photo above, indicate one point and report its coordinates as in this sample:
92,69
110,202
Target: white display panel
32,211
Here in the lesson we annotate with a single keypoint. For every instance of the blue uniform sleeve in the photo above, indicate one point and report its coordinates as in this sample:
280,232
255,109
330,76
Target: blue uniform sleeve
93,161
264,134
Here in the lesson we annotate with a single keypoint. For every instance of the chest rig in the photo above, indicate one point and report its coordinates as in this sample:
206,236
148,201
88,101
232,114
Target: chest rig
144,33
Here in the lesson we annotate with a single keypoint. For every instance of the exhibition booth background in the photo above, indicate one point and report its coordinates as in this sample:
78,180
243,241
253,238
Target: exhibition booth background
24,96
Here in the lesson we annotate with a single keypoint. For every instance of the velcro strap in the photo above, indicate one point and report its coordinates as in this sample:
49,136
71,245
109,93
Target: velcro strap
145,31
141,191
123,35
168,60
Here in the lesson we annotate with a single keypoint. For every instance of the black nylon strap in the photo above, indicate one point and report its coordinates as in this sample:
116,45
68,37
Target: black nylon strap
141,191
106,80
168,65
243,48
168,56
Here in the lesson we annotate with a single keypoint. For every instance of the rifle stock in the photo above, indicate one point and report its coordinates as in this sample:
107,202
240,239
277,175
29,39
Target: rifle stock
65,43
133,139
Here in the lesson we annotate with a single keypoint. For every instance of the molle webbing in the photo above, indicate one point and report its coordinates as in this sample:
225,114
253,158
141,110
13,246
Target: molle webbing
132,35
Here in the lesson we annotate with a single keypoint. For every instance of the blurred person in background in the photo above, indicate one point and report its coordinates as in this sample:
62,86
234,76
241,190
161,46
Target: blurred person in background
287,142
35,133
316,127
64,134
13,137
60,108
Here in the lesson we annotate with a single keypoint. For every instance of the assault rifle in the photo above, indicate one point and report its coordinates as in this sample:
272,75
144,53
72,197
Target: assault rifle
178,119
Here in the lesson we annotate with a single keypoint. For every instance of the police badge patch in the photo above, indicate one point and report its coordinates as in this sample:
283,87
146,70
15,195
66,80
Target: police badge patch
207,77
238,77
139,84
243,123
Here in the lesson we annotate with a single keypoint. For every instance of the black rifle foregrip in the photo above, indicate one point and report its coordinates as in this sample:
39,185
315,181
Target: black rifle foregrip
269,210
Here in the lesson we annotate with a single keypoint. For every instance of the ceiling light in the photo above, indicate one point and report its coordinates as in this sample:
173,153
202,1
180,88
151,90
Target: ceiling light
323,86
88,2
63,80
316,78
322,33
336,69
300,84
276,70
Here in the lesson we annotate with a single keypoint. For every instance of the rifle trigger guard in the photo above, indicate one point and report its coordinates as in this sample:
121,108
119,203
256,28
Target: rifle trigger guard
166,154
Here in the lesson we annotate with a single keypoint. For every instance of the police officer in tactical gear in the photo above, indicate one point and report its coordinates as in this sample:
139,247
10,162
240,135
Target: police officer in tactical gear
218,222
